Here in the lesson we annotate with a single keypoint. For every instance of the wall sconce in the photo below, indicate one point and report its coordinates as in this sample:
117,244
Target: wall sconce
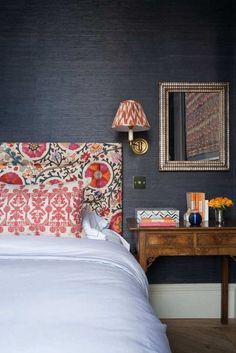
131,117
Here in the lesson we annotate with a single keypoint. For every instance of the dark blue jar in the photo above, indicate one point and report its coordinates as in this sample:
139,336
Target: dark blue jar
195,218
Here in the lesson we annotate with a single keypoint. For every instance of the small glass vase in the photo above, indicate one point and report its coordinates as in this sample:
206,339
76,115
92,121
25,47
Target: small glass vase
219,216
195,218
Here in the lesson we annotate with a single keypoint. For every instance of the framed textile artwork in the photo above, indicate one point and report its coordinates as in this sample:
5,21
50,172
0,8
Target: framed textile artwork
194,126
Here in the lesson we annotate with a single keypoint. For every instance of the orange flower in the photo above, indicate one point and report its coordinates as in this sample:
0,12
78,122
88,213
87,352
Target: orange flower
221,203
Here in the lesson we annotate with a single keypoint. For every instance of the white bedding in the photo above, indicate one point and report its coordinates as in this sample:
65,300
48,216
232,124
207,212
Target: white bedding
63,295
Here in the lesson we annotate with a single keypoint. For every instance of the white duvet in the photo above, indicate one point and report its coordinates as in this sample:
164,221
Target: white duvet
63,295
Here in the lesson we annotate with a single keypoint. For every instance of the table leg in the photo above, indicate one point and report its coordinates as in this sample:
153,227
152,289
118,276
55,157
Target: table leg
224,289
142,251
143,263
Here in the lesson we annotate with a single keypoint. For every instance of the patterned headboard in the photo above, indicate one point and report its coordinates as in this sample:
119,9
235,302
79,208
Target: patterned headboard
34,163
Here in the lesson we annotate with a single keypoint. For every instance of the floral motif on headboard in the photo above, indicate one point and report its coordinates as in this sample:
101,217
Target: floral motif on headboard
99,163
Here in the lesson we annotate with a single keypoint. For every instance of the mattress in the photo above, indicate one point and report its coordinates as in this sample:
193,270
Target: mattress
60,295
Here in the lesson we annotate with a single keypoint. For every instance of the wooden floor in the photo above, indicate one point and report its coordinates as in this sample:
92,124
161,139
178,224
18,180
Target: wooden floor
201,336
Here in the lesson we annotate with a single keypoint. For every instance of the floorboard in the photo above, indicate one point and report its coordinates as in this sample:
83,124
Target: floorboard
201,336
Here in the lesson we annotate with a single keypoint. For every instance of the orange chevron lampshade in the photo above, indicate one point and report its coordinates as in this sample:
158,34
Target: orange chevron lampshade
130,115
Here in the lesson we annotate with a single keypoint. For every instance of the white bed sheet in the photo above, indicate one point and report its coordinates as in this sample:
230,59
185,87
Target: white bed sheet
60,295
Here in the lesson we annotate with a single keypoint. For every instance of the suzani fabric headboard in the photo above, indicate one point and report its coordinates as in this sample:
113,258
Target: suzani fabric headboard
99,163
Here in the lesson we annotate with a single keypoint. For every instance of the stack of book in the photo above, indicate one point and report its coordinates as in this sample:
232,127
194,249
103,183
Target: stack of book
196,201
157,222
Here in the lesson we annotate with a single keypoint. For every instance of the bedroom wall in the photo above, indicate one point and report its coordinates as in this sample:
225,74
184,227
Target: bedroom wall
66,65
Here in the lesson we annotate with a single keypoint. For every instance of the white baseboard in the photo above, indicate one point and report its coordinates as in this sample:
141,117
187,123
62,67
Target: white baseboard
190,300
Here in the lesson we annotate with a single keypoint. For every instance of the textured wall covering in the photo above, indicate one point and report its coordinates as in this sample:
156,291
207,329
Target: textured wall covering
66,65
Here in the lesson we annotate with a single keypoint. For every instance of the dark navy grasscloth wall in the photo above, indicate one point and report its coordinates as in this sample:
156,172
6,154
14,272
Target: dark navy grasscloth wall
66,64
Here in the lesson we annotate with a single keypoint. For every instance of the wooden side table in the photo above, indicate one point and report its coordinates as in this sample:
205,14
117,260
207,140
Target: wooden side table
185,240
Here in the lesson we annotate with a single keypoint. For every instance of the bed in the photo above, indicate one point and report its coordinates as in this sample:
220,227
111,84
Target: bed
69,283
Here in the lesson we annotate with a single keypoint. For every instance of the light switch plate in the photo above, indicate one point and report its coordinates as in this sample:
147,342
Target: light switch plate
139,182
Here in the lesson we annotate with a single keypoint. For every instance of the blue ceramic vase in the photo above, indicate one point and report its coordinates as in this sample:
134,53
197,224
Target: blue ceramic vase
195,219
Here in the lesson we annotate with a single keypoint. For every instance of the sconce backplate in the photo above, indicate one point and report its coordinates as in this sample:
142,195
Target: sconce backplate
139,146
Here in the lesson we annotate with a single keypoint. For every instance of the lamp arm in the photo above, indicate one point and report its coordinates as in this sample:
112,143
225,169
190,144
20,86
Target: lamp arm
130,134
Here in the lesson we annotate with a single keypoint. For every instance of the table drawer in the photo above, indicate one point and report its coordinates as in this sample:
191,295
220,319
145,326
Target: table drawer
170,240
216,239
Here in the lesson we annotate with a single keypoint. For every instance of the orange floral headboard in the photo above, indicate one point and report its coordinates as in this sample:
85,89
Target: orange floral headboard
99,163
